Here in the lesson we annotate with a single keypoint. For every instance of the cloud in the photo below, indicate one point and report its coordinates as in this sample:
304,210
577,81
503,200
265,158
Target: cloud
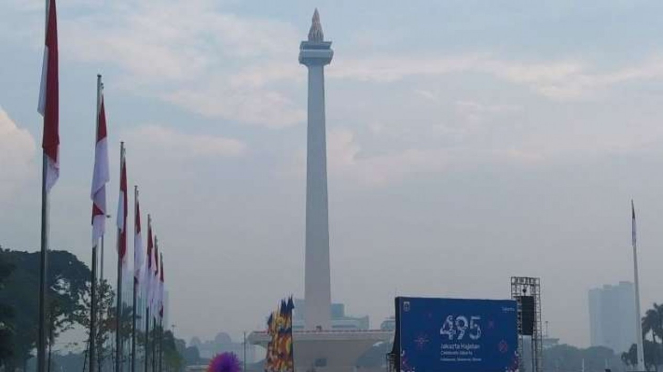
193,55
268,108
162,139
389,69
17,152
557,80
170,39
346,160
475,113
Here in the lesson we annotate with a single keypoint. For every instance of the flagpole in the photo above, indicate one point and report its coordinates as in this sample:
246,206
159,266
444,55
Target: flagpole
638,325
43,266
93,309
93,285
101,280
135,281
147,338
154,347
155,328
147,295
118,310
160,343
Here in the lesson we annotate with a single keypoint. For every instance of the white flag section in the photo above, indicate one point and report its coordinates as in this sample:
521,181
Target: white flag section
41,105
138,243
100,176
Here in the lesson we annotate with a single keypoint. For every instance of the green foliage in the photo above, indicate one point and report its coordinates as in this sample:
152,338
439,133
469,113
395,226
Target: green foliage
191,356
569,358
652,355
652,325
67,280
6,315
105,318
172,357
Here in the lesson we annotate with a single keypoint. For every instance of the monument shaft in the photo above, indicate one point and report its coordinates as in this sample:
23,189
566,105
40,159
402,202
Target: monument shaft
315,54
318,286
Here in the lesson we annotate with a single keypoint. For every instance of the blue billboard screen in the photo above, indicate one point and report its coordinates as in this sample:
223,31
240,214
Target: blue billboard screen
456,335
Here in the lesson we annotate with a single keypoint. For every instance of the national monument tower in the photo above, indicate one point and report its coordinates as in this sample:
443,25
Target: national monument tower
319,347
315,53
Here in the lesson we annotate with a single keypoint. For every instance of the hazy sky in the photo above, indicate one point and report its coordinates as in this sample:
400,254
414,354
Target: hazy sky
468,141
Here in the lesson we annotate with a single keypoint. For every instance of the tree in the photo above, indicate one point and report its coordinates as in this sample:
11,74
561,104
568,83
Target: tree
66,282
569,358
105,323
651,323
652,354
191,356
6,314
172,357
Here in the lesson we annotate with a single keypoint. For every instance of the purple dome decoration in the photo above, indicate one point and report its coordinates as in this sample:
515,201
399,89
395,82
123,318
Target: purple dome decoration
225,362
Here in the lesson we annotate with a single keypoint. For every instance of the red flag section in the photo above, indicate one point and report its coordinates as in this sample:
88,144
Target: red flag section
138,243
161,290
155,280
150,262
122,213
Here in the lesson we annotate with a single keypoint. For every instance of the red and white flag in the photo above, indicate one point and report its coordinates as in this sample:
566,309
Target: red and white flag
138,242
100,176
49,105
161,290
122,214
155,279
149,269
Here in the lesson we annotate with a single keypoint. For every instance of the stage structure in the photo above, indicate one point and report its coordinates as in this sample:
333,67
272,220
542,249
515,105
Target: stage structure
527,292
320,348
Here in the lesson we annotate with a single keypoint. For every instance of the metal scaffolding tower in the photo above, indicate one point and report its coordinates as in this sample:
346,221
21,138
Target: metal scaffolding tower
524,290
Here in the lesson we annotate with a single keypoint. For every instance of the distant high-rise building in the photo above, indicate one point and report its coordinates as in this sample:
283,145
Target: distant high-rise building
612,316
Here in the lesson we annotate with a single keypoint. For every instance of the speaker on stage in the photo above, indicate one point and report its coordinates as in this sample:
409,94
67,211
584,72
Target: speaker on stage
526,315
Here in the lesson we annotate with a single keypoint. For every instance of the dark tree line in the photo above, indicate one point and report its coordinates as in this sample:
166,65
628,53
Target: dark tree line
652,326
19,301
69,306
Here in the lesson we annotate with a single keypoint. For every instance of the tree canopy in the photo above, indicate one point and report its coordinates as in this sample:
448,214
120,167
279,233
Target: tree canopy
67,280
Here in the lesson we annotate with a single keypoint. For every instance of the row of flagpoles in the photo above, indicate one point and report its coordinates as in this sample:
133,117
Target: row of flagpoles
148,273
